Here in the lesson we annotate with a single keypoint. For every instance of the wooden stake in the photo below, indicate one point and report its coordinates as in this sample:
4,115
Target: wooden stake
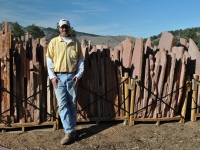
127,97
132,88
194,97
185,97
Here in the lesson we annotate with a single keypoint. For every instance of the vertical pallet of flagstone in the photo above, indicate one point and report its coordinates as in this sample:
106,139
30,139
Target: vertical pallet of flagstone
20,76
42,60
137,63
36,81
168,84
94,82
114,86
118,71
99,92
83,91
180,74
4,51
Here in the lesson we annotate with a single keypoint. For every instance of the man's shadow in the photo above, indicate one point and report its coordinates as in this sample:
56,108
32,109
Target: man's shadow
91,128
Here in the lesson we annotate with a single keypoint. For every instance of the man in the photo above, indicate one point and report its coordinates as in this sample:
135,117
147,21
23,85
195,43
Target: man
65,67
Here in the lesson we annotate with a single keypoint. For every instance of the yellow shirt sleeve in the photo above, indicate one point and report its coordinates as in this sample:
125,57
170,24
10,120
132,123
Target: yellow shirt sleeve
50,50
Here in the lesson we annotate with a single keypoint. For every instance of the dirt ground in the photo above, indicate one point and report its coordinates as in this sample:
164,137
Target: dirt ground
111,135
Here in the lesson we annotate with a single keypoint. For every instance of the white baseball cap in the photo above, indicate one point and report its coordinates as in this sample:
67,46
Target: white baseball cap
63,22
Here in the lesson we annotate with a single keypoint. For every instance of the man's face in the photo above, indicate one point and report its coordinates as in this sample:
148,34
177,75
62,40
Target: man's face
64,30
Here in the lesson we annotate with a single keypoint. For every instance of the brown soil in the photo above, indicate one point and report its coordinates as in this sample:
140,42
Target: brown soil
111,135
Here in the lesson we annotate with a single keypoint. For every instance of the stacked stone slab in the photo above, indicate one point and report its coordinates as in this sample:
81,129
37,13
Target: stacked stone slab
160,71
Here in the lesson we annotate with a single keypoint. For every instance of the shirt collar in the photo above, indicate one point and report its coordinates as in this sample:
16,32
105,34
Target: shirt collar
61,40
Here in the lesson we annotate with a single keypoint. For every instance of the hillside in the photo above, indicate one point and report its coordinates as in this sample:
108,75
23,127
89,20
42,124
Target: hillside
113,41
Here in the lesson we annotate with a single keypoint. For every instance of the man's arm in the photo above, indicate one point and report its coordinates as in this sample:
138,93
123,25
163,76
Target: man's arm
50,69
79,73
80,69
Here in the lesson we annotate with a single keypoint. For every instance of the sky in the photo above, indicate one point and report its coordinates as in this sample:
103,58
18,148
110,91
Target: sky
137,18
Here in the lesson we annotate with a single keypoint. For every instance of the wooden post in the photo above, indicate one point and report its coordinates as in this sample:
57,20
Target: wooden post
132,88
126,98
194,96
185,97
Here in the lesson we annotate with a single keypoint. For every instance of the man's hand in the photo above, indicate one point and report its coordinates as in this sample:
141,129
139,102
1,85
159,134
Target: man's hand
75,80
55,82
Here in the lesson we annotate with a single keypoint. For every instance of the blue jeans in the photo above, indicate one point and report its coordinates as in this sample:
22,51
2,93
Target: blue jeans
66,98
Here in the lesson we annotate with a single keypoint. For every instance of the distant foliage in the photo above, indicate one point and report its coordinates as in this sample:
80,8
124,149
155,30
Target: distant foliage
86,42
35,31
193,33
17,31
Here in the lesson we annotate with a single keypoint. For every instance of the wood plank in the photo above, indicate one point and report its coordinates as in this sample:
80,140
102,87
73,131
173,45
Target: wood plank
157,119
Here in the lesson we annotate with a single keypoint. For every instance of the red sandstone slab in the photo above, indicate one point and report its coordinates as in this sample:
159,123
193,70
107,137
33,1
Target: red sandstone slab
193,50
184,42
166,41
163,63
118,53
197,66
146,84
136,65
152,85
169,74
137,58
148,48
127,53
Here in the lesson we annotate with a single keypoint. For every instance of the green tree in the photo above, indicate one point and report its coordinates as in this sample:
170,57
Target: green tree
85,42
144,40
176,41
189,33
35,31
72,32
17,30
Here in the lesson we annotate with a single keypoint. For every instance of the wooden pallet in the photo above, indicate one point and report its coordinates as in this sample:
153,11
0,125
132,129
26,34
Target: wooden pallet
99,119
196,116
23,127
158,120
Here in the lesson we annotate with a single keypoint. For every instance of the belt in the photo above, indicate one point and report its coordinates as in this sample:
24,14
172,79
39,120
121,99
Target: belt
64,72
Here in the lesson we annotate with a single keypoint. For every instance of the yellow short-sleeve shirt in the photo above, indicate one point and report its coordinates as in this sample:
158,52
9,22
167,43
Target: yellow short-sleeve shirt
65,57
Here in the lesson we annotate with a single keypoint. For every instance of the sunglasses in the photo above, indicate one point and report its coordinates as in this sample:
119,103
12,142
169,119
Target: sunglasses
64,26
